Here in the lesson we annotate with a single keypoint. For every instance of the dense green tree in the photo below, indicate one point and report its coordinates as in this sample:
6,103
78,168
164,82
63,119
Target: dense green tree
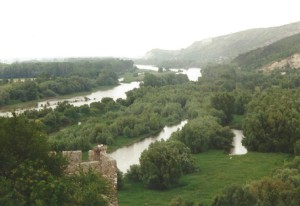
31,175
235,195
134,173
163,163
225,103
87,189
4,96
205,133
49,79
297,148
165,79
272,122
240,103
281,189
153,80
22,140
107,77
30,183
86,67
120,180
269,192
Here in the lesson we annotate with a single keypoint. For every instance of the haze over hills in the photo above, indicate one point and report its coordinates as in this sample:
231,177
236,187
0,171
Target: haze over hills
280,54
220,49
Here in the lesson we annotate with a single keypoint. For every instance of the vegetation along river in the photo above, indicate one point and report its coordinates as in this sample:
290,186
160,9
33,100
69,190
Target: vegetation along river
115,92
130,155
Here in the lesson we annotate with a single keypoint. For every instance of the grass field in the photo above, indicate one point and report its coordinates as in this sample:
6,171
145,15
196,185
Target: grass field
216,171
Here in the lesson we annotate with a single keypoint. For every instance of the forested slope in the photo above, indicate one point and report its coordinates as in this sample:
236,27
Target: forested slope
275,52
220,49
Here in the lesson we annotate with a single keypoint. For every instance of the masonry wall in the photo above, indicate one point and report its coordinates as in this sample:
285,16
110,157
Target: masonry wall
100,162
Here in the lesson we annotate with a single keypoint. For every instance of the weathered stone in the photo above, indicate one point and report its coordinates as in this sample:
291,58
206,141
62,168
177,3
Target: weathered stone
93,165
99,162
74,157
91,155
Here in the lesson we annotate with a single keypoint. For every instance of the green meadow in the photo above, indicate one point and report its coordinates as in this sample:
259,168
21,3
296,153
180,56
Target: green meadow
216,170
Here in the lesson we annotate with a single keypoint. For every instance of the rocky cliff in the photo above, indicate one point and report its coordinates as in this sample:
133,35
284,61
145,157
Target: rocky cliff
290,62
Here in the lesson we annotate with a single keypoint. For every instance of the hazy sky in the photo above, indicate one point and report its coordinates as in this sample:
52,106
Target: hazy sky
127,28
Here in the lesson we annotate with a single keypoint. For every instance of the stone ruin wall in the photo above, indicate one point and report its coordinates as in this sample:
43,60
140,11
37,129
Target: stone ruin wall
98,161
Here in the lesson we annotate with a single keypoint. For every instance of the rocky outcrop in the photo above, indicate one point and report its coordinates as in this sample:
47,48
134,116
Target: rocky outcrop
290,62
99,162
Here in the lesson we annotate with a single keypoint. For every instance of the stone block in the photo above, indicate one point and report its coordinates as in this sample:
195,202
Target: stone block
93,165
74,157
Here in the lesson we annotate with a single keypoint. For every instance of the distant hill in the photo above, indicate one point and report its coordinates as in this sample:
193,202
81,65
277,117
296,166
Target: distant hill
222,48
283,53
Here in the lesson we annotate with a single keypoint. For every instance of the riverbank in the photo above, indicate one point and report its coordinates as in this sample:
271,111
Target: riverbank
123,142
127,142
126,78
130,155
33,103
216,170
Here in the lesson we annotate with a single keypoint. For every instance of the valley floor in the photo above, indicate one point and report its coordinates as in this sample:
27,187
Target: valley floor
216,170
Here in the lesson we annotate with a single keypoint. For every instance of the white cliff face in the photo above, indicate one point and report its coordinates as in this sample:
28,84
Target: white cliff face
290,62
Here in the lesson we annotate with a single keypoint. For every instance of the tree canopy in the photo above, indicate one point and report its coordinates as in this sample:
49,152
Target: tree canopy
272,121
31,175
163,163
205,133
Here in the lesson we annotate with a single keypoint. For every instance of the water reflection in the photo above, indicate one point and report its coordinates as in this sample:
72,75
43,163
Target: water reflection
147,67
192,73
115,93
238,148
130,155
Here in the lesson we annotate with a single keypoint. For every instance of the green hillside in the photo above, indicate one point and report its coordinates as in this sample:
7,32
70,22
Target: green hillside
222,48
265,55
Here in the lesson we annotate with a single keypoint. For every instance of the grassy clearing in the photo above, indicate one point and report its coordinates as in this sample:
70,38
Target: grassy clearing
131,77
216,171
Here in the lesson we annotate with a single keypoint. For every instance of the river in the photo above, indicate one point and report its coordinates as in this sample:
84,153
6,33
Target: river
115,93
192,73
238,148
130,155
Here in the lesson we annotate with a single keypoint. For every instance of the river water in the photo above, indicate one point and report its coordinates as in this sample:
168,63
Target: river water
130,155
192,73
238,148
115,93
